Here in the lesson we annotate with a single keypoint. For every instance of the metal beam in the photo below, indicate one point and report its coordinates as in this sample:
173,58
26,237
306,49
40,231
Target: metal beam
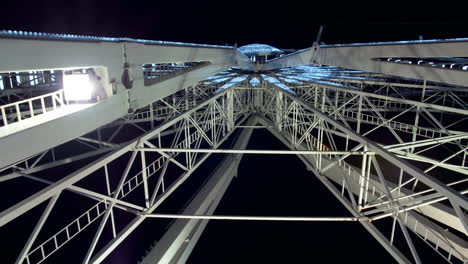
172,246
435,184
392,250
257,151
127,230
32,201
25,142
363,57
258,218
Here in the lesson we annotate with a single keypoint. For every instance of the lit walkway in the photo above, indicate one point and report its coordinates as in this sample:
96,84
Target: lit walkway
34,135
42,118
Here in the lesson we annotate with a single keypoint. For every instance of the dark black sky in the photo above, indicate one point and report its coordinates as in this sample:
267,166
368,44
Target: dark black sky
286,24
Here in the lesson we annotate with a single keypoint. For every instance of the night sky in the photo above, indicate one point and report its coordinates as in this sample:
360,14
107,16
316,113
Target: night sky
276,185
285,24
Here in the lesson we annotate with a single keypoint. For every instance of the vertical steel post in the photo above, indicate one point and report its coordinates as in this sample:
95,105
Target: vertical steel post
279,111
418,112
144,175
230,109
361,179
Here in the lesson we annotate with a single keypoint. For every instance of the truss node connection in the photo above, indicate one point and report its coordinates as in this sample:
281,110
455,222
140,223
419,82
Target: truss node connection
385,133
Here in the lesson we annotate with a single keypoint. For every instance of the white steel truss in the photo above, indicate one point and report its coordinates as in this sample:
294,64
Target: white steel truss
387,147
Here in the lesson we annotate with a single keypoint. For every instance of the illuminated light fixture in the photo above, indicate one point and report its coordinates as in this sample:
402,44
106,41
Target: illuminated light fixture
77,87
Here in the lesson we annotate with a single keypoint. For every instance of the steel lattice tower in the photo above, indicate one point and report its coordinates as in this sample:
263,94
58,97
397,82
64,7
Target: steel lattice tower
382,125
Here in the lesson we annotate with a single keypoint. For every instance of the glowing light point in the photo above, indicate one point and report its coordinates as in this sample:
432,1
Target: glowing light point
77,87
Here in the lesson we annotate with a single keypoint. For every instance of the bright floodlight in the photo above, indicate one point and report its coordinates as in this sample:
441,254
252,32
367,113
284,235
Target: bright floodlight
77,87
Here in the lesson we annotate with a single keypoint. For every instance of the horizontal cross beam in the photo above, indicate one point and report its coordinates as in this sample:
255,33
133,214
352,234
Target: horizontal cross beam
258,151
258,218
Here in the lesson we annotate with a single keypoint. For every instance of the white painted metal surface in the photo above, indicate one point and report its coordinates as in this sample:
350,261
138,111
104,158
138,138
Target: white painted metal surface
178,242
324,114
